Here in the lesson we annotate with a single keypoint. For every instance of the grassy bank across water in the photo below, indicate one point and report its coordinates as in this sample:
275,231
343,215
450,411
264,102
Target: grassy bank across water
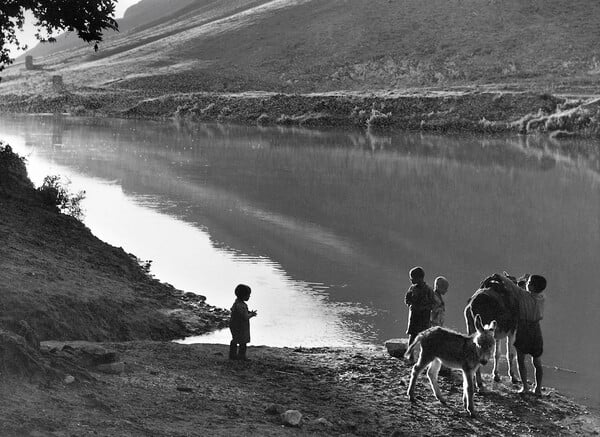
458,110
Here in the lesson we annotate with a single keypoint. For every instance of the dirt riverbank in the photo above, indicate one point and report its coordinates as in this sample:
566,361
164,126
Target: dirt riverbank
67,284
475,110
169,389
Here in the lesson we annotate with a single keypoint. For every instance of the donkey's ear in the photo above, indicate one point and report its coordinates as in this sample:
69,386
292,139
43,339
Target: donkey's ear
478,324
492,325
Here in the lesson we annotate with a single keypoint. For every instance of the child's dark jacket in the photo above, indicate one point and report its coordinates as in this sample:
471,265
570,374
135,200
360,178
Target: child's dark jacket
239,324
419,299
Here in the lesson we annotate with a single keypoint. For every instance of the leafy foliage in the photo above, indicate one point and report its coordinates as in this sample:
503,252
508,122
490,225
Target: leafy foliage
13,173
9,159
88,18
55,191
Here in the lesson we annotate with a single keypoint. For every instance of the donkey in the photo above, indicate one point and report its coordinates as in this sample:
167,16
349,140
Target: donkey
443,346
495,301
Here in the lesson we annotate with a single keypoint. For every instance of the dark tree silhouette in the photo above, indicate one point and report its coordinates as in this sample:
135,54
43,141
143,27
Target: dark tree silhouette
88,18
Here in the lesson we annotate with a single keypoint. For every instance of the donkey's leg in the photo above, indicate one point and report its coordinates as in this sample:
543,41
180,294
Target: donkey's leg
468,392
414,375
511,357
495,370
470,322
432,374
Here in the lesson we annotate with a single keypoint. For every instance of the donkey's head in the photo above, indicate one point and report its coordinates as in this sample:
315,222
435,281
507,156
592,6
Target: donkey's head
484,339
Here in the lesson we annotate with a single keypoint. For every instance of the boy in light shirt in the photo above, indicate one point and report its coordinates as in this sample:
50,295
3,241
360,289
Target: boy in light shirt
438,312
529,340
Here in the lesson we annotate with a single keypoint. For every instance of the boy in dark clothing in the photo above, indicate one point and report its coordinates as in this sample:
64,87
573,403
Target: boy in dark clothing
239,324
419,299
529,340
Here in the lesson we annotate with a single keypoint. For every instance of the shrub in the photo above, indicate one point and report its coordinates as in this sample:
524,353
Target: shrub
286,120
181,111
79,110
55,192
379,120
9,159
211,110
263,119
224,113
13,173
359,117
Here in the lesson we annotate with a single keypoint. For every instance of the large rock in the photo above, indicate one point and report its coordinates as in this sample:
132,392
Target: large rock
85,353
291,418
396,347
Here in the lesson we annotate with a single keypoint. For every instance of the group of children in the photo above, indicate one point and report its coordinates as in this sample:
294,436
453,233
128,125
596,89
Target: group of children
426,308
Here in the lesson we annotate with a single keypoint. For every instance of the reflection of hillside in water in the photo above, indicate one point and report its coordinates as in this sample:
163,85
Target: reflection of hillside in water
534,152
347,199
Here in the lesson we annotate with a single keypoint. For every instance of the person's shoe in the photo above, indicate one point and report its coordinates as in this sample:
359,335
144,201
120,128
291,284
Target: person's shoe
233,352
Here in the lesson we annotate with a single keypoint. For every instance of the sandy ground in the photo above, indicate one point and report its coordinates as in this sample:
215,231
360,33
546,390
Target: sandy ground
170,389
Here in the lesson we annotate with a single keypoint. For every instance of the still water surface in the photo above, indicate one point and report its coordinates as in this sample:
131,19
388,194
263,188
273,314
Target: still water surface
324,225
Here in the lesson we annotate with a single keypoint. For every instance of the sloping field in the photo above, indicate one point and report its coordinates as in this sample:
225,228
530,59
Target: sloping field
318,45
139,15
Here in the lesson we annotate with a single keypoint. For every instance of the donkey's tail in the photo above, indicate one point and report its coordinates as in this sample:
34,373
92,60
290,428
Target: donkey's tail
412,346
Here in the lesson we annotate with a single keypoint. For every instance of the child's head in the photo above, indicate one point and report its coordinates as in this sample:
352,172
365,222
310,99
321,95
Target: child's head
536,283
417,275
441,285
242,292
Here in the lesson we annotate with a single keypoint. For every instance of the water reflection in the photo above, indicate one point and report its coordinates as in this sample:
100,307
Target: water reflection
324,225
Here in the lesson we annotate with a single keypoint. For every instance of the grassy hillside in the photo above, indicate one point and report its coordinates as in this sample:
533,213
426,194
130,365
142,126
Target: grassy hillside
316,45
141,14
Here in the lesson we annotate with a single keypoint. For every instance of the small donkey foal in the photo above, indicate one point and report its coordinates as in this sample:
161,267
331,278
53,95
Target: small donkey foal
458,351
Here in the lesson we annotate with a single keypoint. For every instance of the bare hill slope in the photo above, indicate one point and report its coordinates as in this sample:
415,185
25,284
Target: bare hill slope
316,45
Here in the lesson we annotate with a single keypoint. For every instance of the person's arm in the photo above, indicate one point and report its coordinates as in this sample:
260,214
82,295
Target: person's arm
409,297
241,311
507,283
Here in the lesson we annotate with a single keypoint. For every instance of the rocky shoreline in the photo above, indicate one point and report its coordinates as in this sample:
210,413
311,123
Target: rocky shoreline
455,110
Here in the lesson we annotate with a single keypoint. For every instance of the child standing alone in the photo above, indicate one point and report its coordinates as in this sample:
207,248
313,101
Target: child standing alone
419,299
239,324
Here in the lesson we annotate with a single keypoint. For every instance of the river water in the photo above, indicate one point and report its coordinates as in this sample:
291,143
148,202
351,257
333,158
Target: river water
324,225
